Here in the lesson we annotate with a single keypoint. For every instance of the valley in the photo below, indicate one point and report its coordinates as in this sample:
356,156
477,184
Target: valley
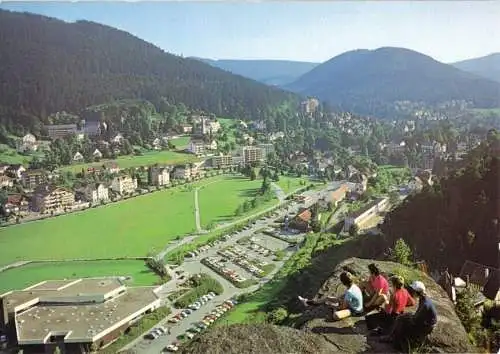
153,200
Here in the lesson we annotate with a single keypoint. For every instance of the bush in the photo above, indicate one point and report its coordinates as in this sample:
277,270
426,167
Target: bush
401,252
203,284
279,255
277,315
467,313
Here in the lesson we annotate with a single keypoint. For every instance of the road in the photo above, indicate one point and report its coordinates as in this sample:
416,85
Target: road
193,266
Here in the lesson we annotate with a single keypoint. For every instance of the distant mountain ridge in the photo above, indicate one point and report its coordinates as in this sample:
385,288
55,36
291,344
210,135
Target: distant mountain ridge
48,65
269,72
371,81
487,66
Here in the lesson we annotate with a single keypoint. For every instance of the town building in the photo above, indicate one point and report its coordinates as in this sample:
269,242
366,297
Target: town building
335,197
91,128
58,131
182,172
205,125
196,146
111,167
124,184
221,161
117,139
27,143
31,179
395,148
252,154
78,315
301,220
186,128
15,171
6,182
78,157
258,125
3,168
276,136
156,144
212,145
363,214
94,193
97,154
16,203
266,149
309,106
158,176
48,197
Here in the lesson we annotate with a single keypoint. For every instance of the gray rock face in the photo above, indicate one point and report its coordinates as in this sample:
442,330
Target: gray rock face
350,335
258,339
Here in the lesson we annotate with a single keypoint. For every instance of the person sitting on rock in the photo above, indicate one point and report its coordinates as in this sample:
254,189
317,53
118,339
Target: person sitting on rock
350,304
376,289
383,321
413,328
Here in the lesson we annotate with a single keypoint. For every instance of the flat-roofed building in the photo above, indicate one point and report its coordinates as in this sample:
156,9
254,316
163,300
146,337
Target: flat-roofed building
252,154
124,184
369,210
75,314
48,197
158,176
31,179
221,161
57,131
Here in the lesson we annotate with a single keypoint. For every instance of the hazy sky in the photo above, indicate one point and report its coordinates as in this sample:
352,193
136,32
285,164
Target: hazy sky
309,31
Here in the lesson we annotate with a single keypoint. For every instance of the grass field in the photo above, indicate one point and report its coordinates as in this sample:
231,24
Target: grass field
10,156
219,200
180,142
22,277
289,184
128,228
150,158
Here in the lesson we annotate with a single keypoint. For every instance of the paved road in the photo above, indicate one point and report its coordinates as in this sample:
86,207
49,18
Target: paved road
194,266
197,211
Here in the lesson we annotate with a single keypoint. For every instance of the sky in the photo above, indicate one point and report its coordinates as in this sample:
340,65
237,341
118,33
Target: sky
448,31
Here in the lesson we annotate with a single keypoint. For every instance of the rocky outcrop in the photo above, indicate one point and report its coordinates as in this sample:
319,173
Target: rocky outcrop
317,333
351,335
258,339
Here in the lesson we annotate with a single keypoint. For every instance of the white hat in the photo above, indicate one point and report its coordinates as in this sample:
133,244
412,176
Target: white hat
418,286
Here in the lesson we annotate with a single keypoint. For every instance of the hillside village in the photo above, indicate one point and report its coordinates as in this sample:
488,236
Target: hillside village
42,189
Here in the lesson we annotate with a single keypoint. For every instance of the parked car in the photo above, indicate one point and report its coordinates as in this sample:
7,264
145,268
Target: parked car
190,335
171,348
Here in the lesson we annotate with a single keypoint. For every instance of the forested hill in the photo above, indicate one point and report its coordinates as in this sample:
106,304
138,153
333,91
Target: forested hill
488,66
457,219
382,82
47,65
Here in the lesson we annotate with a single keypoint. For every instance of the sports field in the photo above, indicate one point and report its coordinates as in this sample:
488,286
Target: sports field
128,228
22,277
218,200
150,158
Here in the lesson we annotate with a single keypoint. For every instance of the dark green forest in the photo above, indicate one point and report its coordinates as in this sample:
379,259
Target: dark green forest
392,81
458,218
48,66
